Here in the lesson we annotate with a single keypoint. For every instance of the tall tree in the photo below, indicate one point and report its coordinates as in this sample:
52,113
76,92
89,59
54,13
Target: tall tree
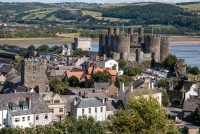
122,64
73,81
170,61
101,77
79,53
32,47
143,116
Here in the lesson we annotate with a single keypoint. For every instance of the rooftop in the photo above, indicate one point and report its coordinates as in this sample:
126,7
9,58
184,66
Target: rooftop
88,102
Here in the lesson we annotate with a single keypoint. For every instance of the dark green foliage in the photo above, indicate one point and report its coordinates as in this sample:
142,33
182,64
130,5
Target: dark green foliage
57,86
122,64
78,53
123,78
132,71
73,81
32,47
54,48
165,99
23,54
43,48
192,70
101,77
144,116
170,61
162,83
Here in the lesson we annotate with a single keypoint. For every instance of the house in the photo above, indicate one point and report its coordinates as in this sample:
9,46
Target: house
7,70
191,92
112,106
2,78
56,105
3,116
124,93
108,63
89,107
108,88
25,109
79,75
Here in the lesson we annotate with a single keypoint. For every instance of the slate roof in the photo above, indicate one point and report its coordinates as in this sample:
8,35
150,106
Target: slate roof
21,89
57,73
191,104
68,99
14,79
19,66
6,68
113,104
104,85
37,103
137,83
99,95
88,102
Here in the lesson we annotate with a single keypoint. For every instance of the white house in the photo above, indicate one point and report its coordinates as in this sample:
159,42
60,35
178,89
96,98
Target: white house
108,63
191,92
124,93
25,109
3,116
89,107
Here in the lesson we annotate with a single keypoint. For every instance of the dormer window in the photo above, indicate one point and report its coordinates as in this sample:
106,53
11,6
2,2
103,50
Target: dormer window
23,105
13,106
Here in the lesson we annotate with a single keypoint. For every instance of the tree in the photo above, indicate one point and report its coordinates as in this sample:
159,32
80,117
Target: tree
23,54
114,67
73,81
58,86
170,61
122,64
32,47
165,99
43,48
162,83
101,77
192,70
197,115
129,72
123,78
143,116
79,53
16,61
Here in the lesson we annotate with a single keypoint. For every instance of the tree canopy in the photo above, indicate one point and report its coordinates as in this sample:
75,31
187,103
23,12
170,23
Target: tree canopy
78,53
192,70
142,117
132,71
162,83
73,81
122,64
32,47
170,61
43,48
101,77
58,86
165,99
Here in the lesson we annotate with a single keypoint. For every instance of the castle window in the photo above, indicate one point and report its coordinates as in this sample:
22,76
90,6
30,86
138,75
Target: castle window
34,68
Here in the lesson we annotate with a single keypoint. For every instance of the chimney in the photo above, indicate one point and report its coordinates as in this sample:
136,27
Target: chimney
104,56
15,91
75,100
102,100
59,92
122,86
80,93
106,99
97,58
107,70
131,88
29,102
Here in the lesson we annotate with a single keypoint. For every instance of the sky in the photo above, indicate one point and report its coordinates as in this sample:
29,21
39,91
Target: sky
98,1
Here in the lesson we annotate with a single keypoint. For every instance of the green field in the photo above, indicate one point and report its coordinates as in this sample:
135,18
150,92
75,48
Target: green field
191,7
91,13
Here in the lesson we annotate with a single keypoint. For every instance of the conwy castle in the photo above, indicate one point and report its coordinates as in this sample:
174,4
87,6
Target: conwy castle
133,46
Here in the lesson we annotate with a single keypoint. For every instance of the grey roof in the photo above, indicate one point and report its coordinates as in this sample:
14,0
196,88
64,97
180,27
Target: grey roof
37,103
113,104
57,73
68,99
137,83
19,66
6,68
99,95
129,64
102,85
88,102
14,79
191,104
21,89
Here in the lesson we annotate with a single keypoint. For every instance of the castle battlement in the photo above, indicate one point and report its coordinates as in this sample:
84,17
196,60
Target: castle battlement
120,36
165,38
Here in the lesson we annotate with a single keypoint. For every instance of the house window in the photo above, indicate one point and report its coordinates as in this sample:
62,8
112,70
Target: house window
101,109
95,109
47,101
46,116
17,119
56,101
37,117
25,107
4,121
23,118
34,68
89,110
28,118
60,110
82,111
52,110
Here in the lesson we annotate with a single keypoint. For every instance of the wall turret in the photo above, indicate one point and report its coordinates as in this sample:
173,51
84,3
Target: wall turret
116,31
141,35
102,43
130,31
134,37
139,56
123,43
110,31
164,48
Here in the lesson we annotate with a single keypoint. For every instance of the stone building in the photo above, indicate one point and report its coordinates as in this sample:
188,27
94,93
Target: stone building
33,75
83,43
133,46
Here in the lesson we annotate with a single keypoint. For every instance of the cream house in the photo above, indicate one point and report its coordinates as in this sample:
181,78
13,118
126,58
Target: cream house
124,93
56,105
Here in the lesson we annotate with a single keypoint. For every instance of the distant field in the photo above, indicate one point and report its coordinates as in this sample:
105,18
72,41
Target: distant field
69,35
114,4
91,13
108,18
191,7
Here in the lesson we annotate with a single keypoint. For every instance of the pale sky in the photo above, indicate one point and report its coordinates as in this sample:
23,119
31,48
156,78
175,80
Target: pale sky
98,1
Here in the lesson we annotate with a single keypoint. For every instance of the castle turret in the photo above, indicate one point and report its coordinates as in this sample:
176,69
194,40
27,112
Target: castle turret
134,37
141,35
123,43
110,31
116,31
164,48
139,56
130,31
102,43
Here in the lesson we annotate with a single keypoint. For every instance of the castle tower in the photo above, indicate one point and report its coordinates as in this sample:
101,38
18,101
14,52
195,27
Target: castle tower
152,45
180,67
116,31
110,31
141,35
164,48
33,75
139,56
134,37
102,43
123,43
